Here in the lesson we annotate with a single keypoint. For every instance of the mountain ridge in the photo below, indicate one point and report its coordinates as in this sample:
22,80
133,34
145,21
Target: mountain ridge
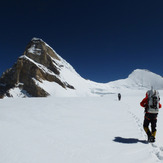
41,72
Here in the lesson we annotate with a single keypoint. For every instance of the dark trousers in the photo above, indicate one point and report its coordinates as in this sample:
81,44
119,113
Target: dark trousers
150,119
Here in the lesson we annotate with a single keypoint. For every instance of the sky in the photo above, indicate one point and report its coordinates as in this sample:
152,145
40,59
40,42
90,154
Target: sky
104,40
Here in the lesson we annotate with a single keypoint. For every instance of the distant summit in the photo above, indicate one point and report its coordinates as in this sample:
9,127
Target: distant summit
41,72
146,78
139,79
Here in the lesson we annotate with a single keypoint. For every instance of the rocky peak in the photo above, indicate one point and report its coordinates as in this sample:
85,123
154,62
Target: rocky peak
37,47
39,63
40,52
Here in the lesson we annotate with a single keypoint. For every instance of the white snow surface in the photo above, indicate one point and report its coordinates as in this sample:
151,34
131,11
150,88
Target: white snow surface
77,130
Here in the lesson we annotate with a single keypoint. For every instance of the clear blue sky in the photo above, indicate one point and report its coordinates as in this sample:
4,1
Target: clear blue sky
104,40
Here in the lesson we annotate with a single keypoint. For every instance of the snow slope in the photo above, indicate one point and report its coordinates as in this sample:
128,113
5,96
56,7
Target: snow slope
77,130
139,79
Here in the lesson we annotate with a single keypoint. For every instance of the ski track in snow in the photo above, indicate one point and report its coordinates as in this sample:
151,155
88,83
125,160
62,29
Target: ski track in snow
155,148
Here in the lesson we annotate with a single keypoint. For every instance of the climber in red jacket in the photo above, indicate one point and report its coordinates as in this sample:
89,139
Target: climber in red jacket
151,103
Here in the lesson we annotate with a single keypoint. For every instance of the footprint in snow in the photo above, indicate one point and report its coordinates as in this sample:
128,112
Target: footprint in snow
161,148
157,151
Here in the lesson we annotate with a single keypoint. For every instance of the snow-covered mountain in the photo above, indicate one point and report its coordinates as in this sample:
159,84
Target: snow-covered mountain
139,79
41,72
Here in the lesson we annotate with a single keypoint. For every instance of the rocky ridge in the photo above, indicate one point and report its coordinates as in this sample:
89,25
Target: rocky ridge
38,63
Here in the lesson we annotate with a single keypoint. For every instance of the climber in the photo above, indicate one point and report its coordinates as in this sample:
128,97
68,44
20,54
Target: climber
119,96
151,103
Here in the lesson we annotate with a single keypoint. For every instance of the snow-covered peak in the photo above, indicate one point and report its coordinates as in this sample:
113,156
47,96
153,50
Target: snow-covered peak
140,72
146,79
139,79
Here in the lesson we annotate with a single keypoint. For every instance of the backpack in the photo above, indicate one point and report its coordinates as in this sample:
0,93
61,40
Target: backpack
153,101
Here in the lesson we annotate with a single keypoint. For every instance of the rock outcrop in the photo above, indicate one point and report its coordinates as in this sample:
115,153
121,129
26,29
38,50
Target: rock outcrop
38,63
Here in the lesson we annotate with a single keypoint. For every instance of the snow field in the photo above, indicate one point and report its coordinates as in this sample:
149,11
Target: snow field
77,130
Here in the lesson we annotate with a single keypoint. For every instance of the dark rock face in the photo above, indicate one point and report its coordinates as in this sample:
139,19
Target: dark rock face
39,52
30,67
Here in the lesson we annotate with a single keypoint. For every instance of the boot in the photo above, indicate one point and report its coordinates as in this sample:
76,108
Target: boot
152,138
146,129
154,133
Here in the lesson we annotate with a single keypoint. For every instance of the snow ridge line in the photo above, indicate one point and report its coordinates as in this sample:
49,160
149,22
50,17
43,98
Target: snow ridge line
156,150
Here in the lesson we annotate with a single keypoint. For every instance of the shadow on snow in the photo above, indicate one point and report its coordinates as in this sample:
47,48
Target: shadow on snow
129,140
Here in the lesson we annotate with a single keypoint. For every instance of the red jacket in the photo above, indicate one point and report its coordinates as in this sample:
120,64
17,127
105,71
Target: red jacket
144,102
